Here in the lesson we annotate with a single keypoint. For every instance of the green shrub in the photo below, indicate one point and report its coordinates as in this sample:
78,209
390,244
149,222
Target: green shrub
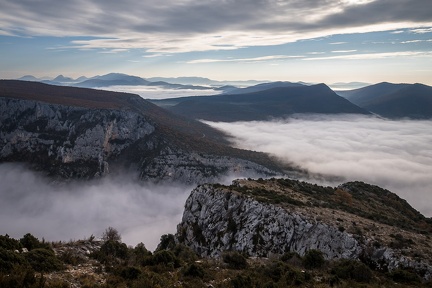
139,255
21,276
9,243
167,242
30,242
234,259
9,259
110,251
404,276
185,253
165,257
194,270
43,260
313,259
352,269
130,273
241,281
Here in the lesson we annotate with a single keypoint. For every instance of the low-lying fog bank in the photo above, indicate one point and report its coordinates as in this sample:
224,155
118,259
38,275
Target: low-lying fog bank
155,92
141,212
396,155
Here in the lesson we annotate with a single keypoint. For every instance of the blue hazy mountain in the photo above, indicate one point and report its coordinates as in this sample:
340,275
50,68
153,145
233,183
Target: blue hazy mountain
262,105
394,100
261,87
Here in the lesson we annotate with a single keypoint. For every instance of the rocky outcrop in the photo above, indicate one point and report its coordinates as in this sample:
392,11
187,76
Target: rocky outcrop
218,218
77,142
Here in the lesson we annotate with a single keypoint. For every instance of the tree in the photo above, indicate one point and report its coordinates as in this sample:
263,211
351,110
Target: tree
111,234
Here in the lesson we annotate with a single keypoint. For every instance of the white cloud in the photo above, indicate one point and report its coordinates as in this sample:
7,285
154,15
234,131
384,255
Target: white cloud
343,51
421,30
416,41
255,59
366,56
395,155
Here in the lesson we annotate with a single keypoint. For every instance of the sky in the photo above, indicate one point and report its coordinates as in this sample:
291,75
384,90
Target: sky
313,41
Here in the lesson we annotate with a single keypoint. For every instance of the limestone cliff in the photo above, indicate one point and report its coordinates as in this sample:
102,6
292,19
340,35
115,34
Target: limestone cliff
271,217
72,132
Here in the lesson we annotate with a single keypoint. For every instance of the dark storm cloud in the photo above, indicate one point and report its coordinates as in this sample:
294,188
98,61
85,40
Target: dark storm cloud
156,24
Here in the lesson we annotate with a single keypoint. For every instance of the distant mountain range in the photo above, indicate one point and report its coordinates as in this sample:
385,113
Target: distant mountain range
385,99
394,100
262,105
114,79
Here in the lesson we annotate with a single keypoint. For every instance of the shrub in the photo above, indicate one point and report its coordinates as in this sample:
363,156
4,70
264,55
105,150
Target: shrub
185,253
352,269
313,259
8,259
20,276
167,242
166,258
9,243
43,260
194,270
111,250
404,276
130,273
241,281
234,259
30,242
139,255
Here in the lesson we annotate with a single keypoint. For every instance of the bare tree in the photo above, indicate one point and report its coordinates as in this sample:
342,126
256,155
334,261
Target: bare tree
111,234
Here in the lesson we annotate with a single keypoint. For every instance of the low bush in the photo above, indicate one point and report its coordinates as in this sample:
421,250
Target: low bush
313,259
353,270
234,259
43,260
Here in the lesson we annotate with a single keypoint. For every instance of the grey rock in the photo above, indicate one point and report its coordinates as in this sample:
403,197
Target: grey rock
217,219
77,142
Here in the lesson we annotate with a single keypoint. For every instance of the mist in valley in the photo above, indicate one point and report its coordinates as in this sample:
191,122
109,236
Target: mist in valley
141,212
157,93
395,155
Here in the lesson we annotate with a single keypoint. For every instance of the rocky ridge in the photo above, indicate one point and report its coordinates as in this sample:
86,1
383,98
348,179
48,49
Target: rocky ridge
79,137
264,219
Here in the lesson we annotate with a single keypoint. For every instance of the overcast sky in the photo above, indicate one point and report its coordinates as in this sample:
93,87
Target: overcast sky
316,41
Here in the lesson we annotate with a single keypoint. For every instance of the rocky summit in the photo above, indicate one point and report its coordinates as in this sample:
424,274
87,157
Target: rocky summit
265,218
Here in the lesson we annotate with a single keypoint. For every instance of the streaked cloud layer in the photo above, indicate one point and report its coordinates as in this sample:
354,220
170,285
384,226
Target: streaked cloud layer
180,26
395,155
225,40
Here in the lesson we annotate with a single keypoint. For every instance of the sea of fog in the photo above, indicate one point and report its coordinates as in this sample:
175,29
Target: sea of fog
142,212
396,155
154,92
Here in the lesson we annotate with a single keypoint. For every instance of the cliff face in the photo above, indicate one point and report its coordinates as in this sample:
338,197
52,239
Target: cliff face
220,218
77,142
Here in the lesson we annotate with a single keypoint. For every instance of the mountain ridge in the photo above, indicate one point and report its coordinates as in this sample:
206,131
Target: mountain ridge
112,129
262,105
